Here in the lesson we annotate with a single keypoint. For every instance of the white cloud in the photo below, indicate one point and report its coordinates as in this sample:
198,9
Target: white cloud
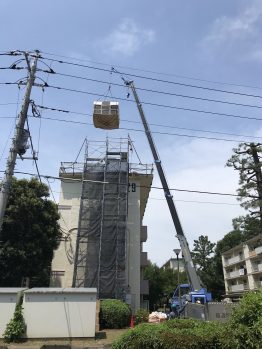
241,32
127,38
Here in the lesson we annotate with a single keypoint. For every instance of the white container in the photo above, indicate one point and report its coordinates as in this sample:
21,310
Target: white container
60,312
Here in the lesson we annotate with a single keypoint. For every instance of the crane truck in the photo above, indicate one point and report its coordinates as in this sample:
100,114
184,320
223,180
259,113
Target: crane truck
192,292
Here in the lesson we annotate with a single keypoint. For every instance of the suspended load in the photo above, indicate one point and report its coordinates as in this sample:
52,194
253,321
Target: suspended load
106,115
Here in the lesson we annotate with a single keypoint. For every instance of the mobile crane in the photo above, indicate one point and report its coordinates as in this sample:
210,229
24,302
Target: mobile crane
192,292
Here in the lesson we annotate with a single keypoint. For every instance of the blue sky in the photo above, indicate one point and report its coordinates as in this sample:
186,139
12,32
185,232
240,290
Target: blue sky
210,44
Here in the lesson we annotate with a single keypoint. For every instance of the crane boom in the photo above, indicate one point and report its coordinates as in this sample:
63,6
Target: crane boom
194,278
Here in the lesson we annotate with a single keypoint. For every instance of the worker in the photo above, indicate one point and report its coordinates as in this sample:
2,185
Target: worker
174,311
170,303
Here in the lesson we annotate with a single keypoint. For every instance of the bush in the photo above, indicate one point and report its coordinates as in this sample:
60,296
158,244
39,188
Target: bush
16,327
141,316
246,322
144,336
114,314
172,334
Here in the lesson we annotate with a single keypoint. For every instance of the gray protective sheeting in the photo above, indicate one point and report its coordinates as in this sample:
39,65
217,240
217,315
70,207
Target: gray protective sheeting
101,243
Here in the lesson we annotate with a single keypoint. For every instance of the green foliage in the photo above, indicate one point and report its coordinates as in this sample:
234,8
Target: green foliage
246,322
16,327
174,334
203,260
202,251
141,316
161,281
155,277
247,161
114,314
30,234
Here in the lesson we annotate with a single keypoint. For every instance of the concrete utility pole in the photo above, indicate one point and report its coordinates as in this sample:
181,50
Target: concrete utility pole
17,140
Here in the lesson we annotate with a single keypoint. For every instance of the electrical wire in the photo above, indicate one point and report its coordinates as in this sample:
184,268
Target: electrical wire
159,199
33,152
140,186
154,132
206,112
171,93
48,183
156,104
161,73
151,124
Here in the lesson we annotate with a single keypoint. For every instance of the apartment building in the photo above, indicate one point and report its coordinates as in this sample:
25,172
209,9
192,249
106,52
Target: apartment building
242,267
102,204
174,264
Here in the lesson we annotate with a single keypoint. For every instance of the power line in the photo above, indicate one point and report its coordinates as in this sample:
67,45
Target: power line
155,104
139,186
48,183
155,132
159,199
173,94
151,124
33,152
159,73
148,103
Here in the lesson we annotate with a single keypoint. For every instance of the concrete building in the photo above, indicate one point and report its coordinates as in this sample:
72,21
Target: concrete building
102,220
173,264
242,267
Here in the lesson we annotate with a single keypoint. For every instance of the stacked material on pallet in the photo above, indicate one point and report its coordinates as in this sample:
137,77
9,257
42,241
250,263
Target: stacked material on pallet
106,115
156,317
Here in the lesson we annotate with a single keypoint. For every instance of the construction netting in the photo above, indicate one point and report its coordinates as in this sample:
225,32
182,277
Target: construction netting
101,242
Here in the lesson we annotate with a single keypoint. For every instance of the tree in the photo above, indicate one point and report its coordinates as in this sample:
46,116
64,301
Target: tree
162,281
29,235
202,251
202,256
247,160
156,280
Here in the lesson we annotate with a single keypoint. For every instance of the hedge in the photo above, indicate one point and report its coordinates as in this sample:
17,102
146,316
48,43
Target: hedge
114,314
175,334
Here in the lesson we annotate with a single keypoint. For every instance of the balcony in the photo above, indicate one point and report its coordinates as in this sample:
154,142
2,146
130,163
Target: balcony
238,288
258,284
143,259
144,287
143,233
257,268
234,260
236,273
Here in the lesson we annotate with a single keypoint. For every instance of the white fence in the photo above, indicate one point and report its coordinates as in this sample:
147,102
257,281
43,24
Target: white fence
9,297
54,312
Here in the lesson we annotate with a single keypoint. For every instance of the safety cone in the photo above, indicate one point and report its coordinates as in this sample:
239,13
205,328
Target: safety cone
132,321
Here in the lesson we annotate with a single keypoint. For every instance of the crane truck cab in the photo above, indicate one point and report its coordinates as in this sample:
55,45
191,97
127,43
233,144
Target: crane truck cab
184,293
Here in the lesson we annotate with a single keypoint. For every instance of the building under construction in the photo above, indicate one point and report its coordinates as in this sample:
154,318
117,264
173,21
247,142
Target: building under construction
102,204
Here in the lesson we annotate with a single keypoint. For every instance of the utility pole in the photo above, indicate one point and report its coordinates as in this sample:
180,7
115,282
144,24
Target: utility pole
18,137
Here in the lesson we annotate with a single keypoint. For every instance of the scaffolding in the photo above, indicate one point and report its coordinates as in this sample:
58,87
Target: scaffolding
100,258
